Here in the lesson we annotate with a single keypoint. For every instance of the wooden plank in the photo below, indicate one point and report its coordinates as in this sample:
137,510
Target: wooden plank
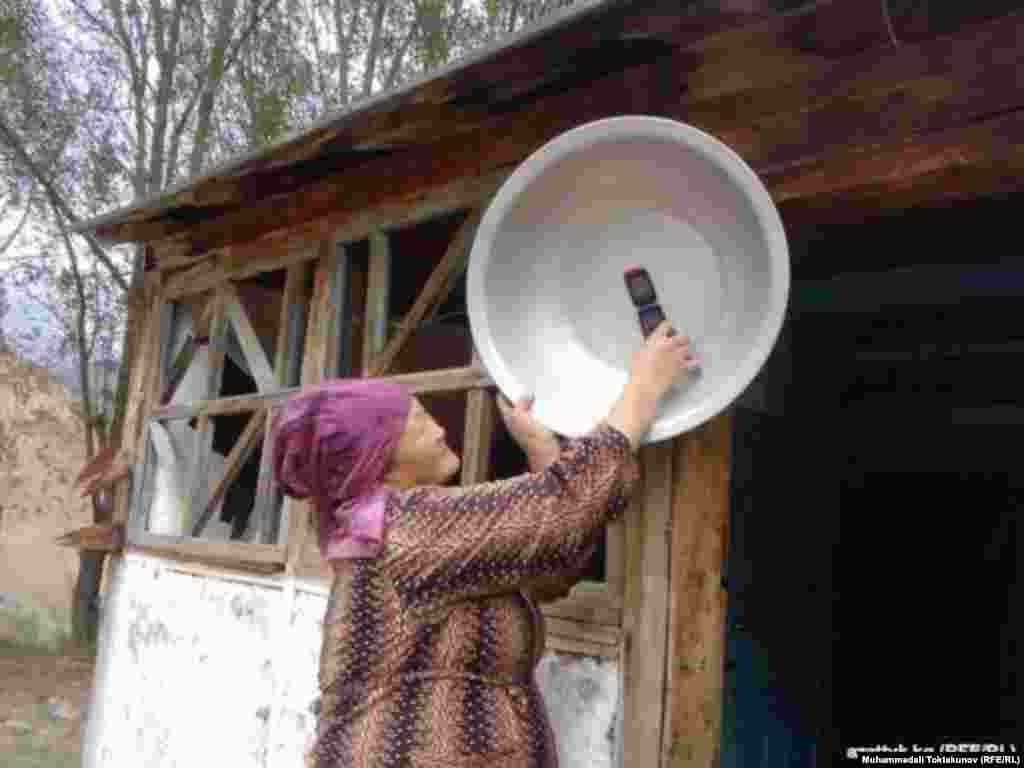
478,435
98,537
259,557
378,291
178,368
204,432
993,145
195,279
146,309
587,602
214,267
338,339
291,330
418,383
481,413
240,453
878,95
591,633
785,50
700,514
269,506
645,612
346,224
269,502
255,355
323,313
615,558
431,293
578,647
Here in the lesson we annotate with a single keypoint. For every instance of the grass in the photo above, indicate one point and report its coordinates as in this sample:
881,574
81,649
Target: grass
33,633
33,751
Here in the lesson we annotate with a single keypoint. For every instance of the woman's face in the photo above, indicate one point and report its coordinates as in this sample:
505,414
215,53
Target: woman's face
422,456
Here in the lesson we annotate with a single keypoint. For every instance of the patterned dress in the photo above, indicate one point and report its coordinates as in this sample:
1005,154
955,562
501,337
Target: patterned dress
429,650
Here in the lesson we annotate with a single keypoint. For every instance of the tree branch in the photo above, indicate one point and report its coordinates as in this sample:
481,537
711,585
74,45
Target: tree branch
17,231
14,141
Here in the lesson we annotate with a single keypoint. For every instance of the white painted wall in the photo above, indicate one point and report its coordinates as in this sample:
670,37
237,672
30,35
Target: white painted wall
222,670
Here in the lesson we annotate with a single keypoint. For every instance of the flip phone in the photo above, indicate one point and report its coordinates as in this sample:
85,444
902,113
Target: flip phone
645,299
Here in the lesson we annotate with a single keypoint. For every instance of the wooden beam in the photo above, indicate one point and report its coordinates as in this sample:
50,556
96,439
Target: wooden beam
420,383
323,313
481,413
101,537
255,355
984,158
204,433
481,419
580,647
876,96
145,309
179,368
290,330
700,514
645,611
339,339
240,453
378,296
214,268
716,56
440,278
596,634
261,558
287,367
345,224
588,602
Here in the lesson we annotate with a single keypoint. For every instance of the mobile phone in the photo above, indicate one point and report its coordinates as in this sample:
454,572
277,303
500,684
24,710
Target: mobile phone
641,292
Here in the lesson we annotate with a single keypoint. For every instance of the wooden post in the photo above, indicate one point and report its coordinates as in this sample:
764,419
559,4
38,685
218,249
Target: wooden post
145,309
287,365
479,433
700,515
645,612
323,311
248,340
197,476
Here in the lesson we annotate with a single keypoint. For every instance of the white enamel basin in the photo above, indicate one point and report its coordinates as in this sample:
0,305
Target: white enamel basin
548,307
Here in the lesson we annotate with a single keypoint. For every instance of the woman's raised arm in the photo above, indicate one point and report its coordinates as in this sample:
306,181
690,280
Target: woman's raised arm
447,544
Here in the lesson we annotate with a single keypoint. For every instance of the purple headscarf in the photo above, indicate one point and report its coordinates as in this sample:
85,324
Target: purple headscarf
333,445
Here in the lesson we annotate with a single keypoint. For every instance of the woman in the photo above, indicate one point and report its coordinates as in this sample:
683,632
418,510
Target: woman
430,641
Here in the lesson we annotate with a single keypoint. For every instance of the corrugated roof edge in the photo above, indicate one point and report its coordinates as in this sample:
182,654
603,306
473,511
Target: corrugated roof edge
165,199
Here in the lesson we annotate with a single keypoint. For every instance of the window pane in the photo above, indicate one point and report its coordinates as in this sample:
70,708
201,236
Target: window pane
229,467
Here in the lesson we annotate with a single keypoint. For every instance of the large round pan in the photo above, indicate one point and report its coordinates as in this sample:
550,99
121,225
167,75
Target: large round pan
548,307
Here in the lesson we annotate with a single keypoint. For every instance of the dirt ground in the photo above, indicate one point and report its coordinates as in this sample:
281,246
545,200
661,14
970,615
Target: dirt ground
43,704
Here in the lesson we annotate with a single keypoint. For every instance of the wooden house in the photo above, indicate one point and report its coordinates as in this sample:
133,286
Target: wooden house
889,134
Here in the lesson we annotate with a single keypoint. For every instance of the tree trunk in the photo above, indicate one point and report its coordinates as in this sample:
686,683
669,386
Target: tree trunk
85,607
214,74
373,49
85,613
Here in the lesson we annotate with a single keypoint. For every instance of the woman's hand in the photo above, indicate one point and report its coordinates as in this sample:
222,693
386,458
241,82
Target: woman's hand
661,360
657,365
538,442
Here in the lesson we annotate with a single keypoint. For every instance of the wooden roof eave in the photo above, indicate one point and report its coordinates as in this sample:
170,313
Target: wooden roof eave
600,33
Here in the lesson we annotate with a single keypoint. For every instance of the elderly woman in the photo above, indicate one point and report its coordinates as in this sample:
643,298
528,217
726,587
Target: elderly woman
432,634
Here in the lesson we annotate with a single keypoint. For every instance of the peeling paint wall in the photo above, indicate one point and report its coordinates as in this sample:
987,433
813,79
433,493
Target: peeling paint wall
209,670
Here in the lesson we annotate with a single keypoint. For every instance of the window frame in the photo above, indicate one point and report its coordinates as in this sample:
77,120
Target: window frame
588,621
